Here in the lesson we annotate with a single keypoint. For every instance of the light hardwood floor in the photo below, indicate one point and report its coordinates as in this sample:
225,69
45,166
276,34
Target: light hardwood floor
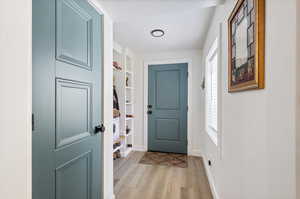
139,181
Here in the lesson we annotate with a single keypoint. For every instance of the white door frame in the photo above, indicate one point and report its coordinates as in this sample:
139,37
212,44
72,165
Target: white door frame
107,83
145,108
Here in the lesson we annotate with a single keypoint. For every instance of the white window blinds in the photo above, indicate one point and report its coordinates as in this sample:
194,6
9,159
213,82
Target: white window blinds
212,92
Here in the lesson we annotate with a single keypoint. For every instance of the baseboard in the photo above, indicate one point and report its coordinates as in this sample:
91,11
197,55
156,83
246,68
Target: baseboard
139,148
210,179
195,152
110,196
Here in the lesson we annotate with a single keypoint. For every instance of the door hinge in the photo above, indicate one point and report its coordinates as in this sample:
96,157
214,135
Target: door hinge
32,122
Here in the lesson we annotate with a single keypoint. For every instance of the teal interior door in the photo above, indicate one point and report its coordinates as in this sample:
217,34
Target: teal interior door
67,100
167,108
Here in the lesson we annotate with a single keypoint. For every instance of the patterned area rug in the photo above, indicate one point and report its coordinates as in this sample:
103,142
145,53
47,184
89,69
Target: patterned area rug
165,159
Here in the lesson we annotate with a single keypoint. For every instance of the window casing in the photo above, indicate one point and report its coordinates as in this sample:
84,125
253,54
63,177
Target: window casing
212,93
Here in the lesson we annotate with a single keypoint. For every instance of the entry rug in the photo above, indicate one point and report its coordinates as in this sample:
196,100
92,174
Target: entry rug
165,159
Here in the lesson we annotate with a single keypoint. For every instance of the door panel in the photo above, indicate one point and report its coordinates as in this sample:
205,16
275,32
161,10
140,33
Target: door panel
67,94
167,129
74,33
167,100
72,125
73,179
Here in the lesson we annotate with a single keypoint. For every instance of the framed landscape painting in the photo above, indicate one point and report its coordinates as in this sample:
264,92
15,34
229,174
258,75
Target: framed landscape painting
246,45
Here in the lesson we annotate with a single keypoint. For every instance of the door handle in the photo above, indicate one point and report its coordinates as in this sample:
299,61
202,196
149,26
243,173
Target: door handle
150,106
99,128
149,112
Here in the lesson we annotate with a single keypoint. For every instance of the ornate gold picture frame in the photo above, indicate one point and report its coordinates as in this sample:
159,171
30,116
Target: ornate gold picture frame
246,46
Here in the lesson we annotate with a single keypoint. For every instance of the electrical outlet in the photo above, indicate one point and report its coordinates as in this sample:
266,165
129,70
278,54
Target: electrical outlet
209,163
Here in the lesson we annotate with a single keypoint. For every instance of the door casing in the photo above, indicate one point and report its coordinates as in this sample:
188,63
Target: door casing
145,109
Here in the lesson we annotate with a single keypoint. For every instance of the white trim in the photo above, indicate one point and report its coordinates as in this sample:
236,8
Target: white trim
210,179
212,133
217,138
159,62
139,148
111,196
220,93
29,110
117,47
195,152
107,141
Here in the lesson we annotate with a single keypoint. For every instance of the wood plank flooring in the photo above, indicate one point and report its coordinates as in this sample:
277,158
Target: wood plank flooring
139,181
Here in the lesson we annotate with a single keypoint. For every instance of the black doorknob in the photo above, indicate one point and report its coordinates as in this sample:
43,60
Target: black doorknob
149,112
99,128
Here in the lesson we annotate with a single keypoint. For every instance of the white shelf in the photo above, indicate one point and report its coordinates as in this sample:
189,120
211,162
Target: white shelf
124,77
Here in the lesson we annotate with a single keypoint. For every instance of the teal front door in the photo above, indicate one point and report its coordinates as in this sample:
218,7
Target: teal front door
167,108
67,100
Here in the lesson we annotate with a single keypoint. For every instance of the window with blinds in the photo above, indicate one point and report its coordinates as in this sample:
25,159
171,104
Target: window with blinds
212,92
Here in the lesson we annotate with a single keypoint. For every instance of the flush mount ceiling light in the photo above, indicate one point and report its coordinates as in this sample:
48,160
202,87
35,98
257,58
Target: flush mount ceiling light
157,33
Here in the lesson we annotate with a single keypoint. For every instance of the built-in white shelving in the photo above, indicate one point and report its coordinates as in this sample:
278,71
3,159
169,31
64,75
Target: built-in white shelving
123,82
129,108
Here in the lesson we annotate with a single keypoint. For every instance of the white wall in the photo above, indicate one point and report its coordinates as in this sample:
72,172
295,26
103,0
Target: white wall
15,100
258,133
195,98
298,102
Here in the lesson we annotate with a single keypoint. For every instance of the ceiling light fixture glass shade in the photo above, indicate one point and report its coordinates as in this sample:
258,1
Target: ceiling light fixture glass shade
157,33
